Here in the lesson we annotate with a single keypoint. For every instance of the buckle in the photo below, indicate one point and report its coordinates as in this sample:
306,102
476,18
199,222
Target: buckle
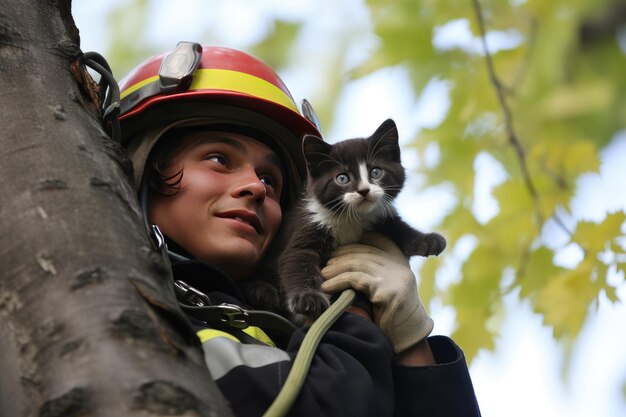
190,294
233,316
157,237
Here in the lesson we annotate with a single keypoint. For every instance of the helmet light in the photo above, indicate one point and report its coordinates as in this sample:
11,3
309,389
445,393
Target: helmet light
177,68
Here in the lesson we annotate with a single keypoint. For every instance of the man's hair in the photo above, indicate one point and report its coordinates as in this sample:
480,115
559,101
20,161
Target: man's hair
159,160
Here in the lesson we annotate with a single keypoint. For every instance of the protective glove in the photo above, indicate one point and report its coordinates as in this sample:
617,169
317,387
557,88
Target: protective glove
377,268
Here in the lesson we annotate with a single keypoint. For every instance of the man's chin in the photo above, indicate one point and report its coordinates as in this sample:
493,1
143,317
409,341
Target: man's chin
241,265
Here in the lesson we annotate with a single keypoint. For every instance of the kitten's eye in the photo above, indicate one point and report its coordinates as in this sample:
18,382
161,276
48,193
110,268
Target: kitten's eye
342,179
376,173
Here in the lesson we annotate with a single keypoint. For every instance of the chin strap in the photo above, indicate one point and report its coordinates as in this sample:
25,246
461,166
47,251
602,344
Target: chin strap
156,237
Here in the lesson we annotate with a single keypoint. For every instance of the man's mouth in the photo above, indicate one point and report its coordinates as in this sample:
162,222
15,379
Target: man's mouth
244,216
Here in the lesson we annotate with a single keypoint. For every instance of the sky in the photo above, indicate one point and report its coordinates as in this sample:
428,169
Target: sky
524,375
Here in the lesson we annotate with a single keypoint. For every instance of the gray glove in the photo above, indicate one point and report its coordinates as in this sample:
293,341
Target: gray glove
377,268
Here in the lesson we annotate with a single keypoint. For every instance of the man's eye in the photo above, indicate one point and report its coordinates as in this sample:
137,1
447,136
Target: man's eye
267,180
273,185
219,159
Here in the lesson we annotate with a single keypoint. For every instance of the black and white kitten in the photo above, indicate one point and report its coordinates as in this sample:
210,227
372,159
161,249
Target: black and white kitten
349,191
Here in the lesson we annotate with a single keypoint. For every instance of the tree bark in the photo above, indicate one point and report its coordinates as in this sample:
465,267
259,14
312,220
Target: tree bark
89,325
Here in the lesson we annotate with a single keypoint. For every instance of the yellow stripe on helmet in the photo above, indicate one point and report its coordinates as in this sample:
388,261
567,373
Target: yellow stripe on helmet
221,79
137,86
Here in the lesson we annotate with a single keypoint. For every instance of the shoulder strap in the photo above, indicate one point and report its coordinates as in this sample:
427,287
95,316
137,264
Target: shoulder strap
199,305
239,318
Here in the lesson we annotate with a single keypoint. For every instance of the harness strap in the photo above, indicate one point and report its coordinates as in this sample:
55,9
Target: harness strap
239,318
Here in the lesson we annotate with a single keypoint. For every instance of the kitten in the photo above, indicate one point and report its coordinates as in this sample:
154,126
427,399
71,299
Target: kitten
349,191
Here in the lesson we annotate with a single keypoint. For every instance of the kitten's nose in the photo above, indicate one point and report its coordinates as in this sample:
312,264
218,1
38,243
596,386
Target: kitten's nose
363,191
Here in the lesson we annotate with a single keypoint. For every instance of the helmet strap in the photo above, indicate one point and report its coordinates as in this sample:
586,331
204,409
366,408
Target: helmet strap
156,236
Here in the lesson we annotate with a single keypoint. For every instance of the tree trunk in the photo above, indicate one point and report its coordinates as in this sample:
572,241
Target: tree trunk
89,325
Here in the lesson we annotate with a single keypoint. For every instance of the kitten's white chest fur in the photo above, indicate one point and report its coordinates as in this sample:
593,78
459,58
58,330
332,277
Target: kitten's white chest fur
358,213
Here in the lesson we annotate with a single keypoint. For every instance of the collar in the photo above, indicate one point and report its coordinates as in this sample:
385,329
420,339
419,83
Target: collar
175,251
206,278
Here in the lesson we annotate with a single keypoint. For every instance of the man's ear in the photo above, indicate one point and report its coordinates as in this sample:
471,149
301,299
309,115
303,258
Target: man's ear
385,140
316,151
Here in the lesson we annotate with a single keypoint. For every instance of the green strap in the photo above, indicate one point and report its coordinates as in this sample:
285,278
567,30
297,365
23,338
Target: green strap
287,395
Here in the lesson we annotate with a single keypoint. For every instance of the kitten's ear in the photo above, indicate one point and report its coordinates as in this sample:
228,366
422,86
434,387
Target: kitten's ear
315,151
385,140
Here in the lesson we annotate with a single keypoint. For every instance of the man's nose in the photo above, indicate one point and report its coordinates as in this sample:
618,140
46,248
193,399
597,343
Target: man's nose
249,185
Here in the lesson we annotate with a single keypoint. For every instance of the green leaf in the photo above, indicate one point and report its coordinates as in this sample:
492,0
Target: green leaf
593,237
517,218
564,159
473,332
537,271
458,223
565,299
475,298
611,293
570,101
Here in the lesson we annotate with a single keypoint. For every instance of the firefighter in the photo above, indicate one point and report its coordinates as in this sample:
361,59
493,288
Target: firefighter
215,139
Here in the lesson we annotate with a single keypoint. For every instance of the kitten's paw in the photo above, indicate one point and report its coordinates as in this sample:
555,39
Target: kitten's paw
308,302
431,244
262,295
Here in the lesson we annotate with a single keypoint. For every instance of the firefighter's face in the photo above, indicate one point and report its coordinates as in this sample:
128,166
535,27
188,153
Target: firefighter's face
227,211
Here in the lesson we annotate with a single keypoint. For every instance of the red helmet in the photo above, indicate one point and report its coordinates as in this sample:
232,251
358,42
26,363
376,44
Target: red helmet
195,84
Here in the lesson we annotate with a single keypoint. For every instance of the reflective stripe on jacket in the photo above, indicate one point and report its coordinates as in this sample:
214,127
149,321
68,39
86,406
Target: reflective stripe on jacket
223,351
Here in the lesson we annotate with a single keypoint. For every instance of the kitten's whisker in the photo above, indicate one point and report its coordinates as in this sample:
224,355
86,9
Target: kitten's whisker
392,189
337,204
345,209
388,208
386,202
340,212
330,204
353,214
387,199
337,208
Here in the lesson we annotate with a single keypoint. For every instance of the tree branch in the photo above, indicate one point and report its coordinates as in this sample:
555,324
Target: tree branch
512,136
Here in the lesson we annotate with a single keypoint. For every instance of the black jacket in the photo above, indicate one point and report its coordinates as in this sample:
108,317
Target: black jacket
352,374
